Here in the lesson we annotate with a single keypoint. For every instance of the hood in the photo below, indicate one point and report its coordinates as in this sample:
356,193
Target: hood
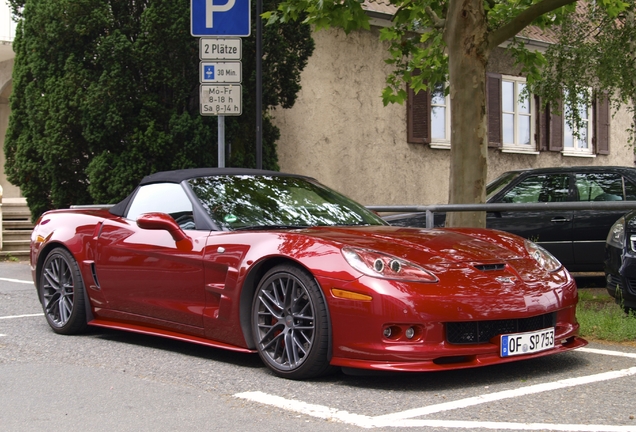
434,246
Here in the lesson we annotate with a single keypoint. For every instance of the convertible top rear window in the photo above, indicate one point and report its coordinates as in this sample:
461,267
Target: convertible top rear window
252,202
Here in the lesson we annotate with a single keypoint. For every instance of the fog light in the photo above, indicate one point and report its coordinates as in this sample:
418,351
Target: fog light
410,332
387,332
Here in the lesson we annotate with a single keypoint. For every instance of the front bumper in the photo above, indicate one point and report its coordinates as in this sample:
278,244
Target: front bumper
358,327
620,275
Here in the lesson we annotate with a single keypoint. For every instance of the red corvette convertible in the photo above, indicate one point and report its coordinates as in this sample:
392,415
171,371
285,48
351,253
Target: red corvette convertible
260,261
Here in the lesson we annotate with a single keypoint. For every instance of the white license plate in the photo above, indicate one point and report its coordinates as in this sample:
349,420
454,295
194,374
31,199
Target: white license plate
526,343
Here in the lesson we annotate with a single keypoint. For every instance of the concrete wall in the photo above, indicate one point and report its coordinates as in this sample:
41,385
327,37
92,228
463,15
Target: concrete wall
340,133
6,69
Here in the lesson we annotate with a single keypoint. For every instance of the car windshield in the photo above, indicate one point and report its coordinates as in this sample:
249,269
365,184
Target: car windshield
254,202
499,183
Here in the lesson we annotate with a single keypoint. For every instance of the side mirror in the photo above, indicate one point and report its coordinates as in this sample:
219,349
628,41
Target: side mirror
162,221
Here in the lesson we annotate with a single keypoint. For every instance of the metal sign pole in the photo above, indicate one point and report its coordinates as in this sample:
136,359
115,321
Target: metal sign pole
259,85
221,141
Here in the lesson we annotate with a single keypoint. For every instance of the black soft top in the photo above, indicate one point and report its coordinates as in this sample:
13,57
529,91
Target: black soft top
177,176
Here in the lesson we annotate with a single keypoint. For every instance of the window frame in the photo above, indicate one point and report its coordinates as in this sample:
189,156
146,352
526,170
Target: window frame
441,143
568,131
516,146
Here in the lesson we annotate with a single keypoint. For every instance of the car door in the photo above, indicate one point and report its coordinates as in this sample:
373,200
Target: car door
551,229
146,273
591,227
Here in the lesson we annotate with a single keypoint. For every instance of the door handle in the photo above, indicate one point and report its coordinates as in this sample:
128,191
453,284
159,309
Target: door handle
560,219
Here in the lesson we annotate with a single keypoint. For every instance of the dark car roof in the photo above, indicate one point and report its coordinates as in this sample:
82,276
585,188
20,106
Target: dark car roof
566,169
177,176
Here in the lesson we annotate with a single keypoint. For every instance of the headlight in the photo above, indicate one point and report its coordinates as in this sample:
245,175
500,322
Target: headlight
616,236
385,266
545,259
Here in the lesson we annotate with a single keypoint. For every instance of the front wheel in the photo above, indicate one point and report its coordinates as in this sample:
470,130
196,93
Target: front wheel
290,323
61,293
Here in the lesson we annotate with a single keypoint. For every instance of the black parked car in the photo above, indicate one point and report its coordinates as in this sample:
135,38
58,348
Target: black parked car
620,261
575,237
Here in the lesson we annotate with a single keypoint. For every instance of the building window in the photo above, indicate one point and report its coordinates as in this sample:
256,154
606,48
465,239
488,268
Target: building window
440,117
578,143
428,117
593,138
516,117
514,125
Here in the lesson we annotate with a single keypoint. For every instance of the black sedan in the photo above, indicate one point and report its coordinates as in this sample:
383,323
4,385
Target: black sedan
575,237
620,261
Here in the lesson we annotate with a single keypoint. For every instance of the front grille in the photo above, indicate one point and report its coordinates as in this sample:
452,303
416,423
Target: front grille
471,332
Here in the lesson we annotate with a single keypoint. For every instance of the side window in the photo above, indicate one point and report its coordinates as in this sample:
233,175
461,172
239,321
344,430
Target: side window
600,187
630,190
539,188
167,198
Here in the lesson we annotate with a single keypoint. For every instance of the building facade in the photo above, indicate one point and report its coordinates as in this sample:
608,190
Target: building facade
340,132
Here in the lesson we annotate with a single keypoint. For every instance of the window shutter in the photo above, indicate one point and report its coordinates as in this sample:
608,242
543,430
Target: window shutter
556,129
493,106
418,114
602,124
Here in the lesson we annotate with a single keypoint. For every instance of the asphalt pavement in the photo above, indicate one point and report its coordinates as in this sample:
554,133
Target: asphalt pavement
107,380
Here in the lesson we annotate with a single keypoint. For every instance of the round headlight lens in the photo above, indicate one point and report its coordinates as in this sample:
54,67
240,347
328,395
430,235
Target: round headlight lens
385,266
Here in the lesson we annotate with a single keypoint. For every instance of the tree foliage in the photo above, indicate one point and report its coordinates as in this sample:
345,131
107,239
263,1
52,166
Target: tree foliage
107,91
437,41
595,54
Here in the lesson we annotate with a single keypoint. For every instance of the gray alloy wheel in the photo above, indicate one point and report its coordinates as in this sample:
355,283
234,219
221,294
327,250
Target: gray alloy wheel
290,323
61,293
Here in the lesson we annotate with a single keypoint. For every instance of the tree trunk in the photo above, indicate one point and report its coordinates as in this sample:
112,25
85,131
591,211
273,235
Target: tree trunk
466,38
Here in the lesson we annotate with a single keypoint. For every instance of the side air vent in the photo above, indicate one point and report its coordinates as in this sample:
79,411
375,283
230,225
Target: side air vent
490,267
95,276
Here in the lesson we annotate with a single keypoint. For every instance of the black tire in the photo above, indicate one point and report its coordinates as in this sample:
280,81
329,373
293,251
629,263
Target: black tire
290,323
61,292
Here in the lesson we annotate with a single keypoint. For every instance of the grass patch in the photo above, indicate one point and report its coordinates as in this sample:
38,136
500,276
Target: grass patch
602,319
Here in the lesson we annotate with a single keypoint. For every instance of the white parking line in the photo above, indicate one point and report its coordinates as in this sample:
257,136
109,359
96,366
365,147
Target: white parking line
406,418
508,394
607,352
332,414
16,281
21,316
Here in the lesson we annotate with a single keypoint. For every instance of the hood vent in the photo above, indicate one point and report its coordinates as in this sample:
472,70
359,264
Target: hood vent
490,267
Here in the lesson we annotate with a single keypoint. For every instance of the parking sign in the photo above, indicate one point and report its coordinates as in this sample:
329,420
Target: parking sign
220,18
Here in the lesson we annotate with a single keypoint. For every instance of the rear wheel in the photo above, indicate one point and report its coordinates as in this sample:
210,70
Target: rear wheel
61,293
290,323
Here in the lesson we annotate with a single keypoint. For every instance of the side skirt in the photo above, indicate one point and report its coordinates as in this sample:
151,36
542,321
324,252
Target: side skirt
167,334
